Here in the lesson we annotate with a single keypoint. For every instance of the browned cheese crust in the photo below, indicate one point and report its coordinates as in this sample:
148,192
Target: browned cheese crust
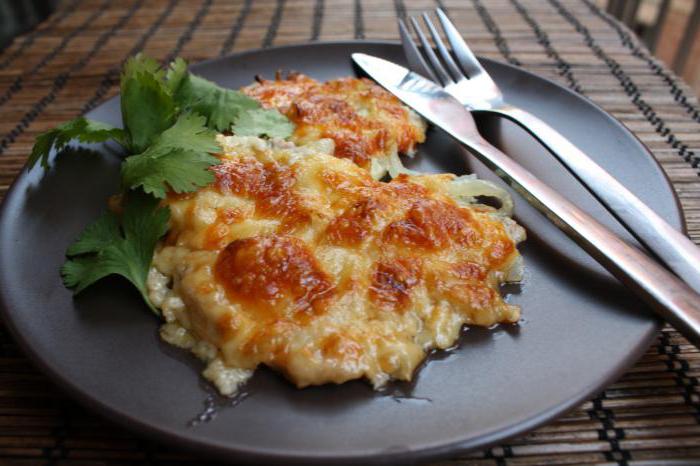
365,121
303,262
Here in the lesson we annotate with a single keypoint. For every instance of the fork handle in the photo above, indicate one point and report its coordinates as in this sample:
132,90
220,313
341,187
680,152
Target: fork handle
673,248
670,297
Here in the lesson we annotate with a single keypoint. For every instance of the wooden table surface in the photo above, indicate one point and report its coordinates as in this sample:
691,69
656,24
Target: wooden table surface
71,63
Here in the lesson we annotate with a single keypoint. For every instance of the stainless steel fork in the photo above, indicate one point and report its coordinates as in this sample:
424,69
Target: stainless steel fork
467,81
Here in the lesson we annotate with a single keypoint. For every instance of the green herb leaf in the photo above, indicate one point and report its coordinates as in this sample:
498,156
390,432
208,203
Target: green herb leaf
107,248
82,129
181,171
96,236
147,104
177,72
262,122
190,133
220,106
179,159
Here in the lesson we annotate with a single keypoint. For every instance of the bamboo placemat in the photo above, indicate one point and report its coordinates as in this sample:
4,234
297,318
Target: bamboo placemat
71,62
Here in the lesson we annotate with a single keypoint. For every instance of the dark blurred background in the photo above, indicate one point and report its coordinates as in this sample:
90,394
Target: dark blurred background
669,28
18,16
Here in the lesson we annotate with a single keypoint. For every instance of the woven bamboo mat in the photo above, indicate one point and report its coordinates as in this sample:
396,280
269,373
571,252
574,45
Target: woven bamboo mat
70,63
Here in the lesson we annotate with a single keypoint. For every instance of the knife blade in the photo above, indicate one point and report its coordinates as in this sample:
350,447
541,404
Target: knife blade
423,95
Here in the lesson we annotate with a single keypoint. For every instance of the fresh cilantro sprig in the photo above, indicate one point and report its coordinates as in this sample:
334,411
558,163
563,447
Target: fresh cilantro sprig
179,159
152,101
147,103
82,129
220,106
118,245
225,109
170,119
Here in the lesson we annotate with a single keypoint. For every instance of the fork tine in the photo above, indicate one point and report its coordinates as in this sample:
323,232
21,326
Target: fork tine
444,78
413,55
454,70
466,58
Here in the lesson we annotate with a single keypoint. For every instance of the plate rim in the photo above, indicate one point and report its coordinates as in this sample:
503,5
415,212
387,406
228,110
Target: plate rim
443,450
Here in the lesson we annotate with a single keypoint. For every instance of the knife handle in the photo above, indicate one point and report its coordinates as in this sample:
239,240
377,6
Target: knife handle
670,297
672,247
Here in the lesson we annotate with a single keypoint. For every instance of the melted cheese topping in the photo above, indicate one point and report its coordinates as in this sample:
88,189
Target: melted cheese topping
368,124
301,261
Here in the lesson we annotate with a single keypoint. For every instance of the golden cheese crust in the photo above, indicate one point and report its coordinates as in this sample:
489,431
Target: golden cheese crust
365,121
301,261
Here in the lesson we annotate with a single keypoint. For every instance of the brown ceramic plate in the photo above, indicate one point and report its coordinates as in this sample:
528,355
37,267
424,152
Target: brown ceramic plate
581,329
